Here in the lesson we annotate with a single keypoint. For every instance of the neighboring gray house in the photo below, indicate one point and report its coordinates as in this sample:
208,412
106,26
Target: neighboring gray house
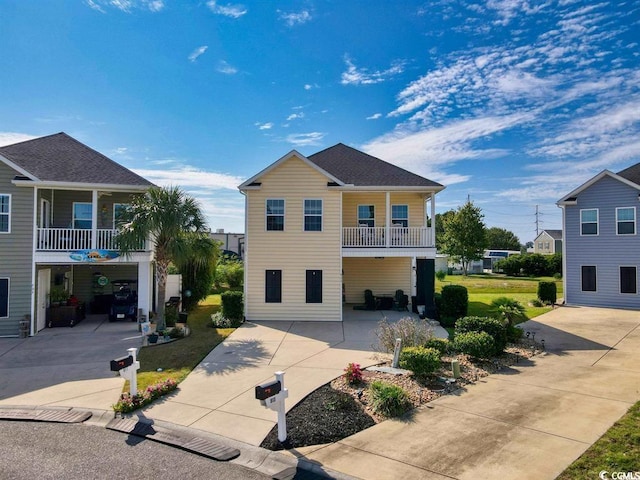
548,242
58,203
601,253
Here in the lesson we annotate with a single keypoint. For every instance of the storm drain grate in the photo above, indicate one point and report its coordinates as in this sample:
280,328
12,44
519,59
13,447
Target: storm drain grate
190,443
40,415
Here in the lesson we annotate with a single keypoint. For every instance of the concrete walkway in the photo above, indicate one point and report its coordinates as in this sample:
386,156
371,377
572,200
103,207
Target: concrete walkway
528,422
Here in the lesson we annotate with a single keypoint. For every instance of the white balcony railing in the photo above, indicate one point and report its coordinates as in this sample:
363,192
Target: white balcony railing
393,237
65,239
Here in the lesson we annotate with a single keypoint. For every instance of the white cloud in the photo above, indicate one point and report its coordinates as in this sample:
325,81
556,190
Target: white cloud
224,67
294,116
264,126
126,5
361,76
298,18
190,177
9,138
193,56
305,139
233,11
375,116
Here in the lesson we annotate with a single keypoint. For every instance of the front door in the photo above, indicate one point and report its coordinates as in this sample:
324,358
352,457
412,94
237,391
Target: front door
42,300
425,285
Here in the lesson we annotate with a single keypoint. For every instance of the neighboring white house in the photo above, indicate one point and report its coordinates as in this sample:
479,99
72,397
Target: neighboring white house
230,242
320,230
548,242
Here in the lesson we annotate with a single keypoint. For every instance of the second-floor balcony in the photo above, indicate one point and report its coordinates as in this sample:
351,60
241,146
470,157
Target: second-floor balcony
388,237
68,239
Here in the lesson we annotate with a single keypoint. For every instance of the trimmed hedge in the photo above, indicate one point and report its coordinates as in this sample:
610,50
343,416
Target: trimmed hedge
495,328
547,292
442,345
455,301
232,306
475,344
421,361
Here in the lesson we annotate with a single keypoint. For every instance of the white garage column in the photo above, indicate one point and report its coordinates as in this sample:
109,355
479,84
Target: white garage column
145,292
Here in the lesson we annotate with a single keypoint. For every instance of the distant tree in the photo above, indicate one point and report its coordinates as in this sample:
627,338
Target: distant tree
198,269
441,219
464,236
502,239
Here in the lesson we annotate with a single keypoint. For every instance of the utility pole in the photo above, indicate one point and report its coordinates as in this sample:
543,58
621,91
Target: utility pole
537,222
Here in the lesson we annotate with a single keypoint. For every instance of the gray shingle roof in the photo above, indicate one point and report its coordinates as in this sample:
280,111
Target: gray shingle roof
555,234
631,173
61,158
360,169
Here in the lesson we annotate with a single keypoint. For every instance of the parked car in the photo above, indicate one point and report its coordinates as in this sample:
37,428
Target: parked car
125,301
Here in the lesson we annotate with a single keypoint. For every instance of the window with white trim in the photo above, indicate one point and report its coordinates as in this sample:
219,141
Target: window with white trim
589,280
275,214
4,297
82,214
589,221
5,213
628,280
626,220
400,215
118,208
313,215
366,215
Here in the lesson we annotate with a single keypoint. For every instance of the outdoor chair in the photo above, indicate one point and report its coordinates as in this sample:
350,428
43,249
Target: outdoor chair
401,301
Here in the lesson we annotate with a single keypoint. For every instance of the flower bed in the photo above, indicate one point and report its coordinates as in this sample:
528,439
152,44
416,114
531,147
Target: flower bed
129,403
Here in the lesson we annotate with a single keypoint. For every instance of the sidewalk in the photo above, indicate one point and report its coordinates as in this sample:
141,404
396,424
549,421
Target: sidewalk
529,422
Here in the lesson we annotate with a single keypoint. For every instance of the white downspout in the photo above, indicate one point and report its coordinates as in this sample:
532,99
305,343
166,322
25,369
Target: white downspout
33,262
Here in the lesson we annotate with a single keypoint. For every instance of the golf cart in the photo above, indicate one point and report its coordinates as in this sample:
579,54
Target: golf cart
125,301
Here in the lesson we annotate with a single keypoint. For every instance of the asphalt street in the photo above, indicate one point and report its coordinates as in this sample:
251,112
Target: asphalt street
36,451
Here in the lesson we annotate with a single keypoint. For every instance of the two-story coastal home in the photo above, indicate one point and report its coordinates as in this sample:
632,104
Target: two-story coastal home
548,242
601,251
58,204
320,230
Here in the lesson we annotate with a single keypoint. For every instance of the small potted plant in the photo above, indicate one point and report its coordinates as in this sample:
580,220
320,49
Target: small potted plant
153,337
58,296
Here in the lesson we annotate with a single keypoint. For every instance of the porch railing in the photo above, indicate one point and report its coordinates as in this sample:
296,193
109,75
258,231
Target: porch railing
65,239
393,237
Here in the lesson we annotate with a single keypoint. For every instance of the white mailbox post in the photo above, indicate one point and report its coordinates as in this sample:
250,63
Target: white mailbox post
128,368
272,395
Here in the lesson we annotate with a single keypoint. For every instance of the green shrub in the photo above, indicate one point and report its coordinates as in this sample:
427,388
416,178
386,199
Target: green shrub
547,292
536,303
441,275
442,345
353,373
230,272
514,333
535,265
421,361
554,265
509,309
493,327
413,333
475,344
511,266
388,400
232,307
455,301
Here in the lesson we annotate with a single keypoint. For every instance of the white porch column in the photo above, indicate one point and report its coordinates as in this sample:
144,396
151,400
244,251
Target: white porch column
32,327
387,232
433,218
145,283
94,219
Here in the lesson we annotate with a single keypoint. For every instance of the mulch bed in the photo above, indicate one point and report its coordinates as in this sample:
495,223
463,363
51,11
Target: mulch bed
338,409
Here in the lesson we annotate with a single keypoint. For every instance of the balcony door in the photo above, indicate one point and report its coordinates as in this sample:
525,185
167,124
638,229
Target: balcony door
45,213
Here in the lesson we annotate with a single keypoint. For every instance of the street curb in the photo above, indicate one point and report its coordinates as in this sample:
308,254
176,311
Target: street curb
275,464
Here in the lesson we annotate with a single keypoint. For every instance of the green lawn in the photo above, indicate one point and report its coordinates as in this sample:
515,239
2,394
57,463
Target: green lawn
177,359
618,450
483,289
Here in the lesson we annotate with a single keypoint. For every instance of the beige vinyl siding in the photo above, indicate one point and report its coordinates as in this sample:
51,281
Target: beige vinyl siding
16,250
350,203
380,275
293,250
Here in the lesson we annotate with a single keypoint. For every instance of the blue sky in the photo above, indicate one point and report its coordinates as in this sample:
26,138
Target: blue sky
511,103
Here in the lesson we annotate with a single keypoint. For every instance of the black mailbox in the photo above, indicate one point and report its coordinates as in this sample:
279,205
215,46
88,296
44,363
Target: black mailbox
267,390
120,363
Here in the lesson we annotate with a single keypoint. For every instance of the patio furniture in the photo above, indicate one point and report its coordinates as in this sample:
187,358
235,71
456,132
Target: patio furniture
401,301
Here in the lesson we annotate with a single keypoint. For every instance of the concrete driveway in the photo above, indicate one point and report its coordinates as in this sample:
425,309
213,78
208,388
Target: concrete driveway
528,422
66,366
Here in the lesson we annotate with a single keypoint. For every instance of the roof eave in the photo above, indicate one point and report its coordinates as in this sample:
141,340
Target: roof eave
567,199
17,168
81,186
388,188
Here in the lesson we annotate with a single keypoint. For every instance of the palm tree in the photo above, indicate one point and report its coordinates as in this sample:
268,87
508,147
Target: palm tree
168,217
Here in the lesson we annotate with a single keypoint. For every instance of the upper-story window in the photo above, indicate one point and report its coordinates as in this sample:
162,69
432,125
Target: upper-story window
81,215
547,245
275,214
366,215
540,245
118,208
589,222
5,213
626,220
400,215
313,215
